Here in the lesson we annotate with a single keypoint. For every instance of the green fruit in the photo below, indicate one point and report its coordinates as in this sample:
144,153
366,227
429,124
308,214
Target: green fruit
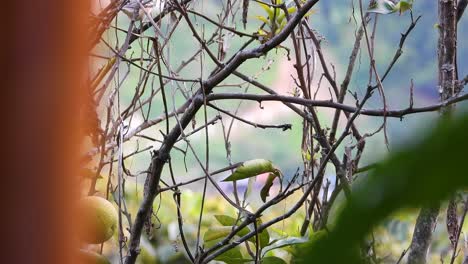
98,219
89,257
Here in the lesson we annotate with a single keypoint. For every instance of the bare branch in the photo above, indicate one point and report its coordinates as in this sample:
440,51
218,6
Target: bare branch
330,104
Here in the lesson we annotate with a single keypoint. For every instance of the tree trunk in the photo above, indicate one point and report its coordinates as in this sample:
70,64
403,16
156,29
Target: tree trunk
422,235
447,88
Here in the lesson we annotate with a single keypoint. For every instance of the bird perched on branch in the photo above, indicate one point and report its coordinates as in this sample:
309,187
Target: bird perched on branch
137,9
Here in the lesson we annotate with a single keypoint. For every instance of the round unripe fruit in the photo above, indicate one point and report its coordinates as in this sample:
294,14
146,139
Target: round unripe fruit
88,257
98,219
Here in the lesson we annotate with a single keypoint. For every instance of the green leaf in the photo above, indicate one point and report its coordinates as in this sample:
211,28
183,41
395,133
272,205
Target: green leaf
292,10
263,19
261,32
232,256
251,168
216,233
267,9
265,192
264,236
424,173
282,15
226,220
284,243
404,6
272,260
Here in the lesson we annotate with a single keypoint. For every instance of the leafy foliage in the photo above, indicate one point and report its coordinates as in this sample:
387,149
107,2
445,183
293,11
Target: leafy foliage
275,19
410,177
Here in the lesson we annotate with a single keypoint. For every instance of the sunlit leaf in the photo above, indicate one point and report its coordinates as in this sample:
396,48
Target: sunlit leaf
267,9
216,232
404,6
262,32
284,243
263,19
232,256
292,10
251,168
226,220
306,155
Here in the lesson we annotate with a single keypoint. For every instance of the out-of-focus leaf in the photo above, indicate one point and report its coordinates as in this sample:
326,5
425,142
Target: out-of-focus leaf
382,7
280,232
264,236
267,9
292,10
404,6
265,191
251,168
263,19
306,155
228,222
422,174
232,256
272,260
261,32
216,232
284,243
298,248
275,18
282,16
